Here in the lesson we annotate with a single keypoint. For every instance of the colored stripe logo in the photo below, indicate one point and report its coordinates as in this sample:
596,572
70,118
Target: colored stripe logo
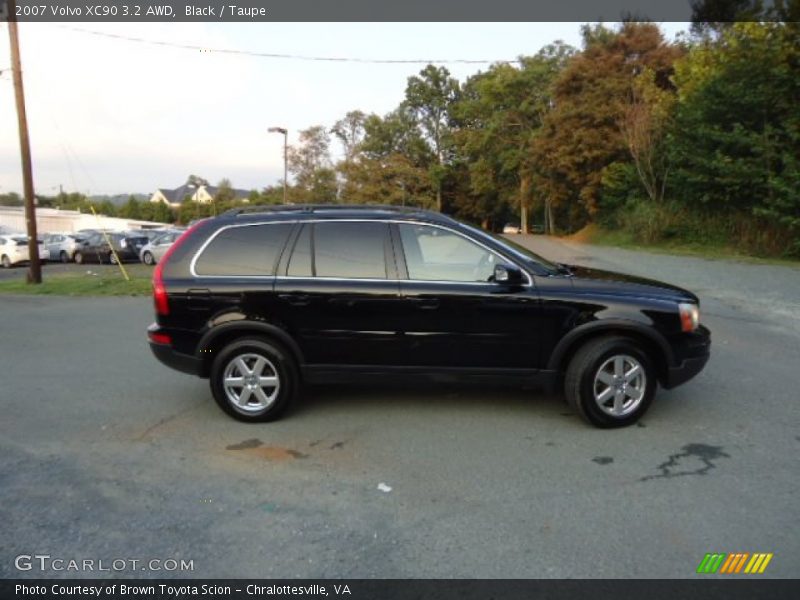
736,562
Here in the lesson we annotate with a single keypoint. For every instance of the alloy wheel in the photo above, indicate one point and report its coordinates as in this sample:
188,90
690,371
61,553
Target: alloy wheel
620,385
251,382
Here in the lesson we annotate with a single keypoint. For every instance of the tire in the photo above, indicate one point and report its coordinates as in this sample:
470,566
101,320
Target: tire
602,385
6,262
112,258
78,258
274,361
148,259
63,257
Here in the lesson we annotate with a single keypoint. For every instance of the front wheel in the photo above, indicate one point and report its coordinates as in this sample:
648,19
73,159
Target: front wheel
148,258
78,258
254,380
6,262
610,382
63,256
112,258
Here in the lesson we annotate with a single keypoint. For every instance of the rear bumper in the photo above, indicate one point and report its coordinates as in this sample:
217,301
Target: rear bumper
693,354
166,355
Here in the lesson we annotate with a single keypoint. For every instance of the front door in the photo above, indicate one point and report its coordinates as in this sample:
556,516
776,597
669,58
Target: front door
454,314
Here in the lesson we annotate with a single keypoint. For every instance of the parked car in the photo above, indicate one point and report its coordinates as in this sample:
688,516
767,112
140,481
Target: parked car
152,234
512,228
262,301
62,246
154,250
14,250
95,248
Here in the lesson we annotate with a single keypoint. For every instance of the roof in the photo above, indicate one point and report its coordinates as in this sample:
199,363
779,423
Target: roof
285,212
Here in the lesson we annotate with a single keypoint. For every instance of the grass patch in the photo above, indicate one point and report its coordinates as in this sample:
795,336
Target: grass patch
91,283
624,239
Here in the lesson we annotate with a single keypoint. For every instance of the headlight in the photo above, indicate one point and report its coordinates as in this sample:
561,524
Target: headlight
690,316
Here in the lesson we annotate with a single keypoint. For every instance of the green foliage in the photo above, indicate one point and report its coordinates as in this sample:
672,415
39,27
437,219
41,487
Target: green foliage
190,210
736,139
11,199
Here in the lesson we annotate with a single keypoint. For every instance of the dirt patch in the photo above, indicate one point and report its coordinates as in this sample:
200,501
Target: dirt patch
255,447
584,236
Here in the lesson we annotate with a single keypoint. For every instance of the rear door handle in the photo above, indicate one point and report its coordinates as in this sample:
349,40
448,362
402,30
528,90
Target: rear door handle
426,303
296,299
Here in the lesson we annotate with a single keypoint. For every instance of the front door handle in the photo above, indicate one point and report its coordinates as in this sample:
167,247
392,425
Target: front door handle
296,299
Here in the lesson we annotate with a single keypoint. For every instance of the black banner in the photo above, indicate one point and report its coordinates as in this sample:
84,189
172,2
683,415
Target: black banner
346,10
389,589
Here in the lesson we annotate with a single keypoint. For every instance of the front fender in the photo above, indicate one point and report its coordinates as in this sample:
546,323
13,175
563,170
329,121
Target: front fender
593,328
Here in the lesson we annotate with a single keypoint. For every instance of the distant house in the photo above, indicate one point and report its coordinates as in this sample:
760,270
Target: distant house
203,194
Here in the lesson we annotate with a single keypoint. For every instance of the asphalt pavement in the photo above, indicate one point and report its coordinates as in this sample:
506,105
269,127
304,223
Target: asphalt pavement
105,454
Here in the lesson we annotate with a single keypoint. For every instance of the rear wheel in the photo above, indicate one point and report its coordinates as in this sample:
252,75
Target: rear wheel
254,380
148,258
610,382
6,262
78,258
63,257
112,258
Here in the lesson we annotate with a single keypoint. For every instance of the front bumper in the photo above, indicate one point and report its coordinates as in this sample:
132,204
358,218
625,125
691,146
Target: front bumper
692,355
185,363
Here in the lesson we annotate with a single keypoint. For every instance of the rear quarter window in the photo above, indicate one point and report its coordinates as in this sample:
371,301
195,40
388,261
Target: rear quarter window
245,250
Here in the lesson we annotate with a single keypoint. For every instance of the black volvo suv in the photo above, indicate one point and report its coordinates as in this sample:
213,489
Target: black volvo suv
263,300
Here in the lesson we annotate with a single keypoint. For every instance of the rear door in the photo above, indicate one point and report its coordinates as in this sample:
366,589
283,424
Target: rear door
338,294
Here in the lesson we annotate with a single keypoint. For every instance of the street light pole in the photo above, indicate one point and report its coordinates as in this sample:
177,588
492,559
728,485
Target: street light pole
285,133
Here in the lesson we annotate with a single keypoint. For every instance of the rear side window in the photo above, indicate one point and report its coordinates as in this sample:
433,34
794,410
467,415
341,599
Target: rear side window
352,250
246,250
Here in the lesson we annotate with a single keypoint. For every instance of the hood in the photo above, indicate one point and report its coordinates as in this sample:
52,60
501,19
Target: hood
599,281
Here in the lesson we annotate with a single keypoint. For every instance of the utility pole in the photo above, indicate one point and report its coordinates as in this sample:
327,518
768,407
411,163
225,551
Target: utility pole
35,269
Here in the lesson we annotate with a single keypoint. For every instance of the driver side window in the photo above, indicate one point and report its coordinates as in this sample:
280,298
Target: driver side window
434,254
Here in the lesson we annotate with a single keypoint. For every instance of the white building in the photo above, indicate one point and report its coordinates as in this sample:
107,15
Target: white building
12,220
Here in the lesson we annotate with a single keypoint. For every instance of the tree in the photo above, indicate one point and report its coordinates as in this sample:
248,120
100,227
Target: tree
162,213
311,164
391,164
131,210
497,117
431,96
581,135
643,123
350,133
736,139
11,199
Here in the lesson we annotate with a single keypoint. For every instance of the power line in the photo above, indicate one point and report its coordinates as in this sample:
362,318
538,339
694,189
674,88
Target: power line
274,55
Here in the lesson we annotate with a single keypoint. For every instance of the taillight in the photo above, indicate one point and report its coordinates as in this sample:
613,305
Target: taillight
159,338
690,316
160,298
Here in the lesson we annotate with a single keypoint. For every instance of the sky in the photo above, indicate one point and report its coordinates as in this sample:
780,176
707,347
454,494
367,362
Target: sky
110,116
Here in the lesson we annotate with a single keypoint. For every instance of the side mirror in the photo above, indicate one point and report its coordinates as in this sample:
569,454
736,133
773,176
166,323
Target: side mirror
507,274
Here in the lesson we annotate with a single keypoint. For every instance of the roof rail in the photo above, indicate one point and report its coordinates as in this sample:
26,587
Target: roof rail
311,208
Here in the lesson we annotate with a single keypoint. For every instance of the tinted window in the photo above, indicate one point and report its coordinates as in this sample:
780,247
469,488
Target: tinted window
300,263
246,250
350,250
434,254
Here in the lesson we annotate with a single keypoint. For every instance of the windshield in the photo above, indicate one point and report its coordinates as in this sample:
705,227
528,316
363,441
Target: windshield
519,250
